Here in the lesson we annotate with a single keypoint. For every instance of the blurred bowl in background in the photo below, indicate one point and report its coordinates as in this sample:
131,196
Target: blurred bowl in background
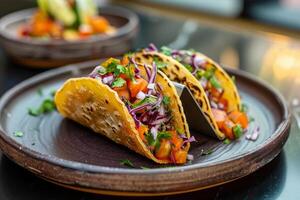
38,53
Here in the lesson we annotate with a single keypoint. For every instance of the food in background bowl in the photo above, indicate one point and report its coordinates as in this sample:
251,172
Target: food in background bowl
67,20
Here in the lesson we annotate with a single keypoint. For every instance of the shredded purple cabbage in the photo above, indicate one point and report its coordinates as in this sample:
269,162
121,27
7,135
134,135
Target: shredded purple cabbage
152,47
189,140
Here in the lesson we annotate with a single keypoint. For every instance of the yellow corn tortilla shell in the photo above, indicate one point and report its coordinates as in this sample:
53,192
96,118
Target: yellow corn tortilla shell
175,71
98,107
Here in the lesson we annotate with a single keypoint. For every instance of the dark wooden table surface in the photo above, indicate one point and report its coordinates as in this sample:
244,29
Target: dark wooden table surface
272,57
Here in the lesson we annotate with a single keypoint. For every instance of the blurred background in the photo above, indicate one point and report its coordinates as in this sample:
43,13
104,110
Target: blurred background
257,36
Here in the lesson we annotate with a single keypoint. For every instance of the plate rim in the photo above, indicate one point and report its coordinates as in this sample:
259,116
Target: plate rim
89,168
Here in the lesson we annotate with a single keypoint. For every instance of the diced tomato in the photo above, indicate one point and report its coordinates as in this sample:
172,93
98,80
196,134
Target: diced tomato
123,76
122,91
99,24
137,85
216,94
164,150
223,104
85,30
239,118
227,129
220,116
180,156
142,130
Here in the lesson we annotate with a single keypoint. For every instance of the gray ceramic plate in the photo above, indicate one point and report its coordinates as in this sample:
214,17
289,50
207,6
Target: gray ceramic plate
51,53
70,155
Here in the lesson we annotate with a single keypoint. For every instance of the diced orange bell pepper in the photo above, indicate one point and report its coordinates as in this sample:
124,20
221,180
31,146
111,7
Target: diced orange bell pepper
176,140
136,86
142,130
99,24
164,150
125,60
239,118
227,129
122,91
180,156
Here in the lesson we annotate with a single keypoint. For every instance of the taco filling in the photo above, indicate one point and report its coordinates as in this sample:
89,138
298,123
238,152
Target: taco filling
147,105
231,122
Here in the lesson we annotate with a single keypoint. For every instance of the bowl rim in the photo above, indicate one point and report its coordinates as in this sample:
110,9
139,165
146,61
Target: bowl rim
113,10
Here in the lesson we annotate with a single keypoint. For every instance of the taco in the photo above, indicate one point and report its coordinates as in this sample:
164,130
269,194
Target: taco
211,86
132,104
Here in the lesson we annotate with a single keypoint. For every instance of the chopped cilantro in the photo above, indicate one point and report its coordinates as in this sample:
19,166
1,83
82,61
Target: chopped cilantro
150,139
120,69
159,63
163,135
200,73
127,163
40,92
189,67
251,119
166,100
118,82
18,133
47,106
207,152
215,83
53,92
149,99
244,108
226,141
160,135
102,71
166,50
209,73
237,131
111,64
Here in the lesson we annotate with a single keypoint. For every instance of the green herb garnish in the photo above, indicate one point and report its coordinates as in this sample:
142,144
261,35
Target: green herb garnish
227,141
160,135
166,50
189,67
47,106
127,163
118,82
159,64
237,131
18,133
244,108
53,92
40,92
200,73
209,73
149,99
102,71
142,167
163,135
205,153
166,100
215,83
150,139
251,119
